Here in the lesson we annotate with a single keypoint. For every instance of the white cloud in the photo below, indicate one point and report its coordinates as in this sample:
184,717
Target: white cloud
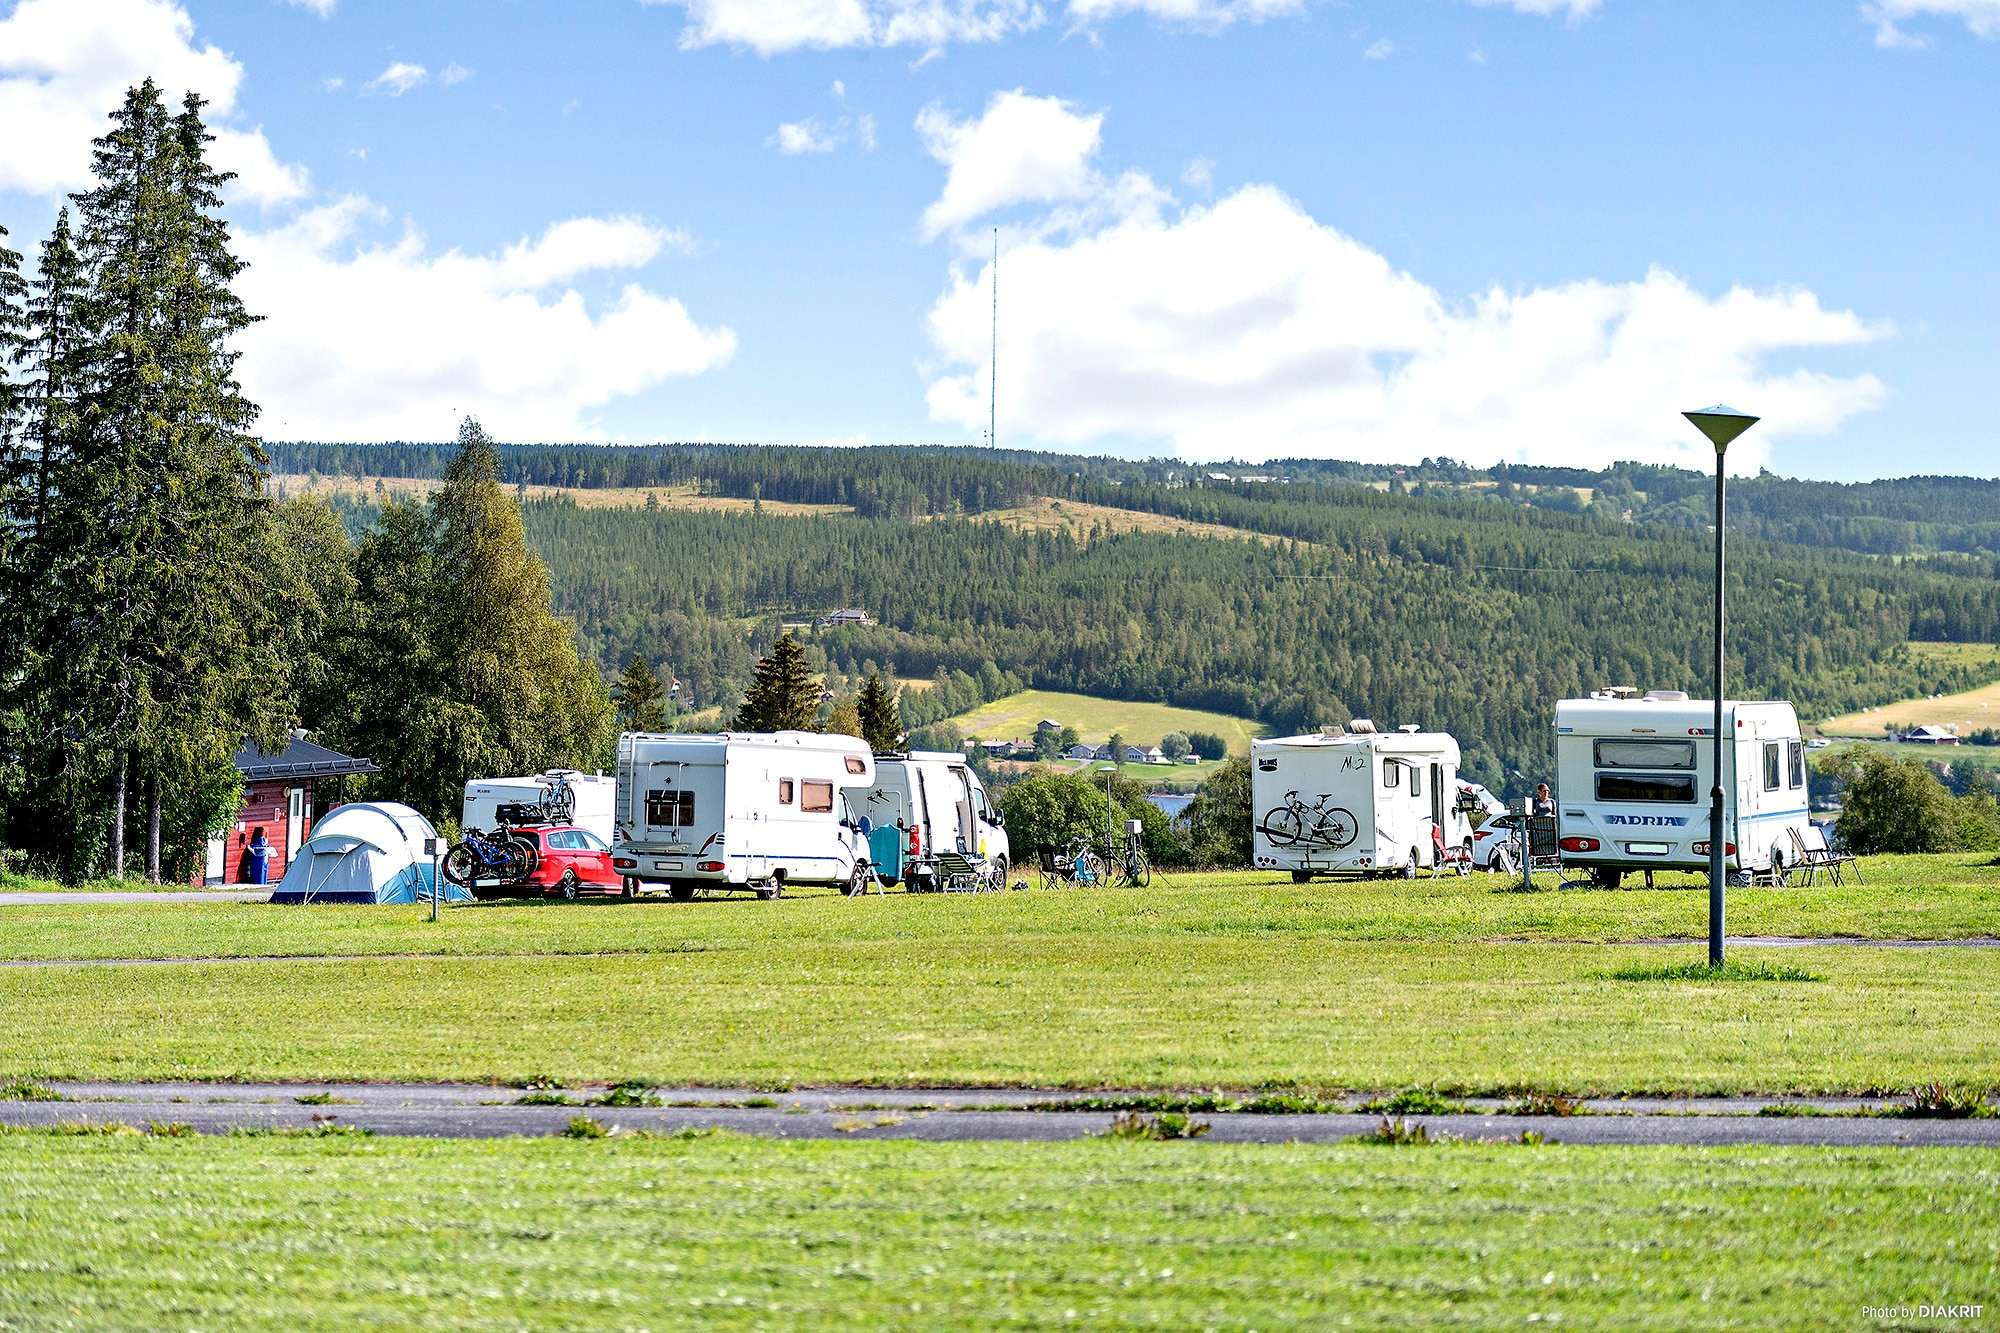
371,342
1381,50
1199,174
804,136
1249,329
65,66
323,8
453,74
1981,16
1572,9
770,26
332,85
1022,150
398,79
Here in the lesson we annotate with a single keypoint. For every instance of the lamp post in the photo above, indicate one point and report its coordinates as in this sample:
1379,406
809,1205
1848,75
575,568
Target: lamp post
1721,425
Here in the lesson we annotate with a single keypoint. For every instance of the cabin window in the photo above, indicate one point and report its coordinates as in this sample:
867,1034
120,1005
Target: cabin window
1798,765
784,791
1416,781
1770,765
816,798
667,808
1645,754
1392,773
855,764
1678,787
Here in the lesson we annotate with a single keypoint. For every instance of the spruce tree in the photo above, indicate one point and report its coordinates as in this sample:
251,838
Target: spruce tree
881,725
640,697
784,695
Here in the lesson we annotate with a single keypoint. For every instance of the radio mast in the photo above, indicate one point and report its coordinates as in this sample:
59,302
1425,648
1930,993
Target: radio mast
993,372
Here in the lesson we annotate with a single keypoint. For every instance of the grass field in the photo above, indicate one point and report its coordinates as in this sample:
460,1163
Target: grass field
1014,718
1225,980
1044,514
1972,710
130,1232
607,497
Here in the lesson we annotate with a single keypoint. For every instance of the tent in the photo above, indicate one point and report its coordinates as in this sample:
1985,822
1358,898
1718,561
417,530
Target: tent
367,852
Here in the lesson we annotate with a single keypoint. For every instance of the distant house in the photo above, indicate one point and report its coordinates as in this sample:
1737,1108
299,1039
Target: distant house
1928,735
850,616
1191,758
282,794
998,749
1047,724
1081,751
1152,754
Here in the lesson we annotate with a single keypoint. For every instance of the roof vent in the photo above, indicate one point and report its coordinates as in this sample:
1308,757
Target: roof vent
1666,696
1333,732
1361,726
1410,727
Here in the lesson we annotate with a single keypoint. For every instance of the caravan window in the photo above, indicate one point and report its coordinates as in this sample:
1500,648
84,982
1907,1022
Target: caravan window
1770,765
1798,765
816,798
670,809
784,791
1645,754
1391,773
1645,787
1416,781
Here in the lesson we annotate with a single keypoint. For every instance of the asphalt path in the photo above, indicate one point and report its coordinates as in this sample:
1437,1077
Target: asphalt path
959,1114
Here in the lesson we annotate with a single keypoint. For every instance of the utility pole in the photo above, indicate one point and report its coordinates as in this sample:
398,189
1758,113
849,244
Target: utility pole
993,372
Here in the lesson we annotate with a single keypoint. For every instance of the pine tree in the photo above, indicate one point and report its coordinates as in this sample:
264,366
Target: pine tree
784,695
881,725
640,697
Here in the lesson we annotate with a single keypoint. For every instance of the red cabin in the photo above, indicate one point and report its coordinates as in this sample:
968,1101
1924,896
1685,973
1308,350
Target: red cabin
282,794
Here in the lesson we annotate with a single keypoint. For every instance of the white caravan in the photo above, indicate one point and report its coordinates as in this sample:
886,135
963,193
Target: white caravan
935,804
1633,778
741,811
1356,801
596,799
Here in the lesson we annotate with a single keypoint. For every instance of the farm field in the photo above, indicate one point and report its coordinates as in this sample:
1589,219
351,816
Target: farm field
1215,981
1971,710
719,1232
585,497
1080,518
1014,718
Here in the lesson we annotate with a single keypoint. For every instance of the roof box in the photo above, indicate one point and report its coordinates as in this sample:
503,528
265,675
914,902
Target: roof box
1666,696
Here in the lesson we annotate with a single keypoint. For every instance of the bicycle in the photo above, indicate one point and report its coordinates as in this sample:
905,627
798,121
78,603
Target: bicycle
1315,825
1127,866
558,801
504,857
1074,866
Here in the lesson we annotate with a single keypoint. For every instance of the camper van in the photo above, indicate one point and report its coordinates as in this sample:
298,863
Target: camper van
741,811
1633,775
929,802
594,794
1356,801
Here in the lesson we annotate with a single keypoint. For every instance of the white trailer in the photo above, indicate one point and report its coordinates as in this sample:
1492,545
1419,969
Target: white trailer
934,803
596,797
1356,801
1633,777
741,811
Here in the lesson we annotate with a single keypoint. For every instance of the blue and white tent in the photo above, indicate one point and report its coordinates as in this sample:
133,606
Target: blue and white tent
368,852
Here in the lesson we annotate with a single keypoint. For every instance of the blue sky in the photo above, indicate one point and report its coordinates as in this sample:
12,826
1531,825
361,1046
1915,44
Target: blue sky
1525,231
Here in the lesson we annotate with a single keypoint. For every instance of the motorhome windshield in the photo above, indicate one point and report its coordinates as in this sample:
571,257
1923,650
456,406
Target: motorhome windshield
1645,754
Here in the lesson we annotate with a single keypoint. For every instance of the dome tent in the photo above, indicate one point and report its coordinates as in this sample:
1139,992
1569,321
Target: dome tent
368,852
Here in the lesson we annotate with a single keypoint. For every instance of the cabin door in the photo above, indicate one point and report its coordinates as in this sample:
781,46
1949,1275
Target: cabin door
1437,796
295,821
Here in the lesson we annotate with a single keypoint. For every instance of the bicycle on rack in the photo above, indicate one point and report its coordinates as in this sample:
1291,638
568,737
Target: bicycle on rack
501,856
558,801
1316,825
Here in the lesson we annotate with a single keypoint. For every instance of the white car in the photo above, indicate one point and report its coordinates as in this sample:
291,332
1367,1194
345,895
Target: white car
1496,844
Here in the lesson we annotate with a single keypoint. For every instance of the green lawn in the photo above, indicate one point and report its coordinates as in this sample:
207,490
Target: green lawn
1014,718
1223,980
241,1233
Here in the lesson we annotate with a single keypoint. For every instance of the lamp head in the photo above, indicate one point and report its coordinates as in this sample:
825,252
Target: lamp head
1721,424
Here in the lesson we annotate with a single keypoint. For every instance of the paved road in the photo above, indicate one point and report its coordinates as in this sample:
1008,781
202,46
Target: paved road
164,896
452,1111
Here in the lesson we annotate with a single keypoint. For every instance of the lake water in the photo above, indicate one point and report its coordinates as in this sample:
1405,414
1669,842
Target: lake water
1171,802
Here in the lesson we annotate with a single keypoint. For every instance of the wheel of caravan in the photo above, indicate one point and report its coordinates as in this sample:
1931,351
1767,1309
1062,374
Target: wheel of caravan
1302,876
1608,877
631,886
682,892
568,885
770,888
1465,866
857,883
1410,866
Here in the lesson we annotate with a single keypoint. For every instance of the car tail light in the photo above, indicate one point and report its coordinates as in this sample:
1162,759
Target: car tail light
624,863
1728,849
710,866
1579,844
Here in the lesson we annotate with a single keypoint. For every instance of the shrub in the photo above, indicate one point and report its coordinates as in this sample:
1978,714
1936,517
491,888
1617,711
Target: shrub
1051,808
1897,805
1208,745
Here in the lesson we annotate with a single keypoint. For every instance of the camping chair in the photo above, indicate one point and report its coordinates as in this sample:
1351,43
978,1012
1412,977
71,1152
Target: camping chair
1057,870
958,875
1817,856
1443,854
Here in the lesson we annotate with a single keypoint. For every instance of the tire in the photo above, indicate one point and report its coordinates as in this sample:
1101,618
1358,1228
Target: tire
997,874
1090,869
1141,873
1410,866
459,866
857,883
524,858
771,889
1302,877
631,887
681,892
567,885
1283,827
1607,877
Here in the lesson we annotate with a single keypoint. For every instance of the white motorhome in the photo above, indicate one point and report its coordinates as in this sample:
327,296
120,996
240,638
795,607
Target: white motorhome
1356,801
596,796
1633,776
934,803
741,811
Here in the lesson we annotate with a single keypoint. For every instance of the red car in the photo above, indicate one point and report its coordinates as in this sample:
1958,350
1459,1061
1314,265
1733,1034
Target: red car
573,861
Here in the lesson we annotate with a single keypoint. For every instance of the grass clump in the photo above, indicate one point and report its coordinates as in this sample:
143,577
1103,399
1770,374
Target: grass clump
30,1092
1414,1101
1939,1101
1547,1103
1730,970
320,1130
632,1092
1400,1133
1160,1128
324,1099
1793,1109
583,1127
544,1099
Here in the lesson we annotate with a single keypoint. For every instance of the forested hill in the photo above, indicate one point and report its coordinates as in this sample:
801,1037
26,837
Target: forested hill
1899,517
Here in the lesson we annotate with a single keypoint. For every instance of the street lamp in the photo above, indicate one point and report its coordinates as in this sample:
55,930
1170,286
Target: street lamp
1721,425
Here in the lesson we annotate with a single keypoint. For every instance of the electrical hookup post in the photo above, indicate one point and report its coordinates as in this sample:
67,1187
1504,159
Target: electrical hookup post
437,881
